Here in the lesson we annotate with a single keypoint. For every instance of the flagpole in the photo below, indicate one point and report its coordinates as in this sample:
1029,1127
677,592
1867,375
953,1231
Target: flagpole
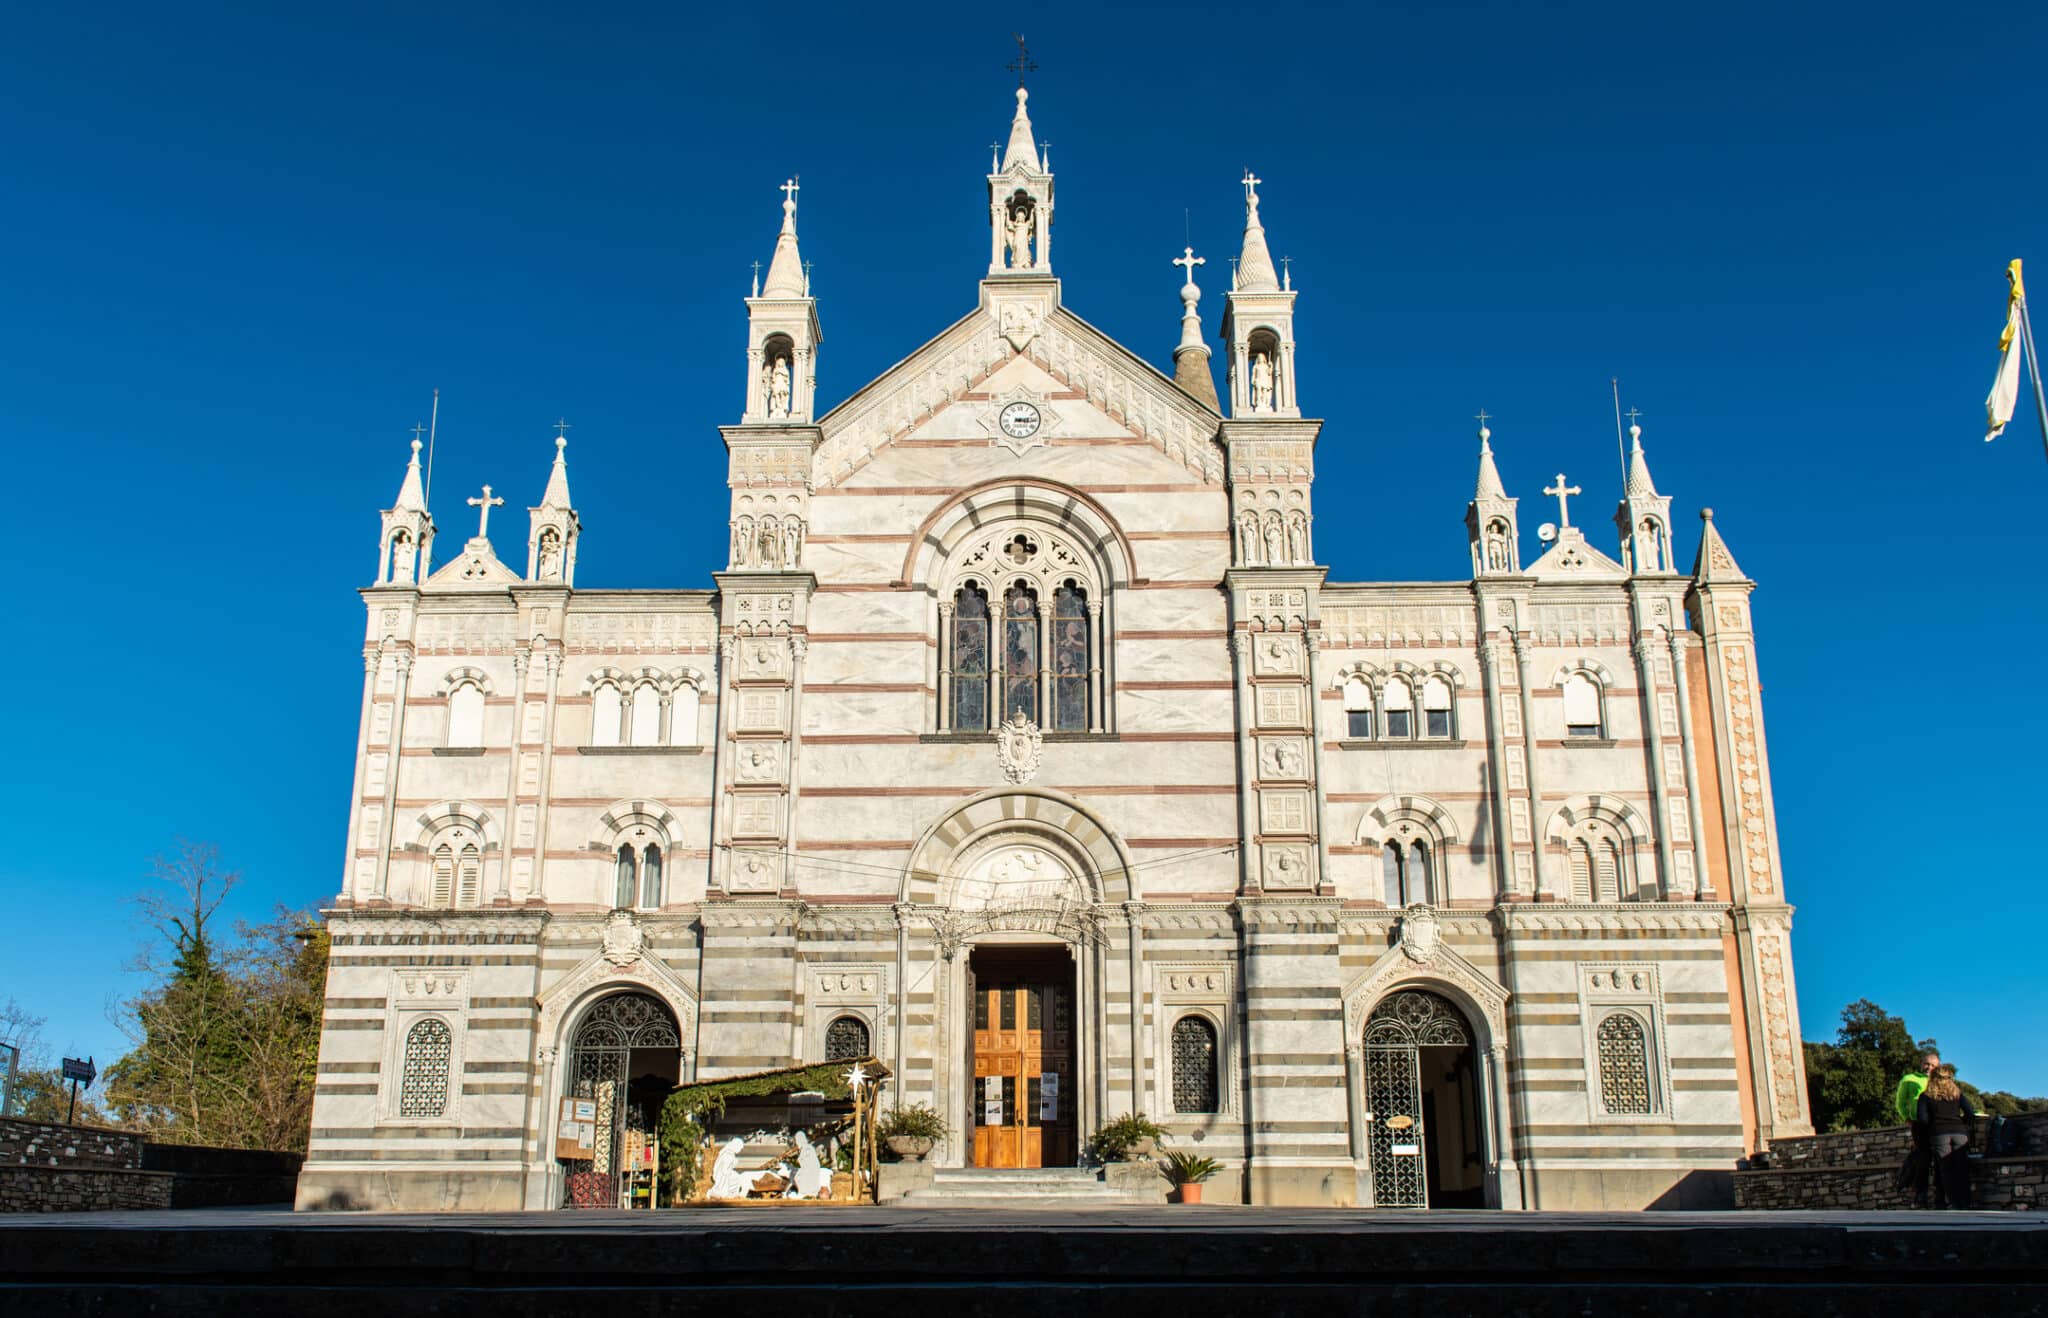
2034,371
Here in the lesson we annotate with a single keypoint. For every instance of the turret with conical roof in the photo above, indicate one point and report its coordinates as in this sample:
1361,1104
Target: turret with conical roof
405,546
1258,322
1020,203
1490,518
553,525
1191,358
783,332
1644,516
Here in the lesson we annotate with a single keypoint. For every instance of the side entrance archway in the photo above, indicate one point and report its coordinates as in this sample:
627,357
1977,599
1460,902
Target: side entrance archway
1425,1129
625,1060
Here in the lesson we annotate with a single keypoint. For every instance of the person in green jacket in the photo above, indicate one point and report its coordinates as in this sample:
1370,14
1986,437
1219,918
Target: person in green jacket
1906,1099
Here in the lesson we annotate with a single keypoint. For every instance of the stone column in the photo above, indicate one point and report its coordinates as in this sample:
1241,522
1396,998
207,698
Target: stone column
1098,716
1529,758
756,405
1134,912
902,911
1045,664
502,887
1500,1135
1354,1082
553,660
1653,742
942,721
399,687
1496,766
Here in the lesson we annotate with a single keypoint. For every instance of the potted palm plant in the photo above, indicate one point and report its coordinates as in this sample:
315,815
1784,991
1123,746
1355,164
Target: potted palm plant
910,1132
1188,1172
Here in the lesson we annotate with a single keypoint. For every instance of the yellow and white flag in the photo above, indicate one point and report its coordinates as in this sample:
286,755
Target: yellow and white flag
2005,390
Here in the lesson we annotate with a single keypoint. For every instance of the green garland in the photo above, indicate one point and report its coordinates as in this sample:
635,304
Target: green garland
691,1108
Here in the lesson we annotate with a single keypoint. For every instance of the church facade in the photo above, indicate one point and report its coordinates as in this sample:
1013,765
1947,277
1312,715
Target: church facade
1024,744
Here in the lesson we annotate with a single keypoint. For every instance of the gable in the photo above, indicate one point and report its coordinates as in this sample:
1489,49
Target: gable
1573,559
1085,385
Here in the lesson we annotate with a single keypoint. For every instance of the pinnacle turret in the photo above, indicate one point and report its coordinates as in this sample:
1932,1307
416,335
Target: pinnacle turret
786,268
1255,272
1191,358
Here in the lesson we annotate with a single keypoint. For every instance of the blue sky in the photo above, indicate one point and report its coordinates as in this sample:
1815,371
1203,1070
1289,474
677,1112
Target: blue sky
243,244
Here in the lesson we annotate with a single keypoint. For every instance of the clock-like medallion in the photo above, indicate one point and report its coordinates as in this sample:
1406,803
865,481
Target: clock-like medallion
1019,420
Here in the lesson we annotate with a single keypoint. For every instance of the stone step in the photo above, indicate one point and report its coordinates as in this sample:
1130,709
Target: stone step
1018,1187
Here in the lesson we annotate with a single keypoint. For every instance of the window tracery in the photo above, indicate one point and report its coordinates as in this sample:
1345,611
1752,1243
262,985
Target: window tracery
1624,1056
846,1039
423,1076
1195,1080
1020,631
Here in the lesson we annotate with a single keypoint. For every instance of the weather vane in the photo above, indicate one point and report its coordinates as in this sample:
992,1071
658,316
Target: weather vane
1022,64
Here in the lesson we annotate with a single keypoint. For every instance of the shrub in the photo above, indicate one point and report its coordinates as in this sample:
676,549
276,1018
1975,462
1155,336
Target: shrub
918,1122
1113,1142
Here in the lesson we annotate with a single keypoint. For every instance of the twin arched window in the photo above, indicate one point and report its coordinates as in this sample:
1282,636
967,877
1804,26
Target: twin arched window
1031,658
643,715
423,1073
637,876
1405,717
1406,875
1196,1086
457,876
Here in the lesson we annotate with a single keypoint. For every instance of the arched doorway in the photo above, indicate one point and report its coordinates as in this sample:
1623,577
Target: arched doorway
1426,1134
624,1062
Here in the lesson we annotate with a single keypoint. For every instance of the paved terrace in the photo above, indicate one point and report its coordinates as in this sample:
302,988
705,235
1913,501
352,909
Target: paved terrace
1132,1262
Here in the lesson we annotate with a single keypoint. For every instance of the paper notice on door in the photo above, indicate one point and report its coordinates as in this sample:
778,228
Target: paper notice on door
1405,1150
1049,1096
992,1113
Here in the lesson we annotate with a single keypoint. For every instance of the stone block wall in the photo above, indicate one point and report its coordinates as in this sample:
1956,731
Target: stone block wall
1857,1169
50,1168
47,1144
82,1189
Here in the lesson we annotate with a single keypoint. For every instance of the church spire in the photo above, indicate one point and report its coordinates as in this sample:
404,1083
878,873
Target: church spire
783,332
1643,516
553,525
1191,358
1258,321
1020,203
405,545
1489,486
1490,518
1255,273
1021,151
1715,565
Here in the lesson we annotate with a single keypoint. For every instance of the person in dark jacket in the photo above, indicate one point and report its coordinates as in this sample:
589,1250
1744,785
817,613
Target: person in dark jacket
1906,1100
1948,1117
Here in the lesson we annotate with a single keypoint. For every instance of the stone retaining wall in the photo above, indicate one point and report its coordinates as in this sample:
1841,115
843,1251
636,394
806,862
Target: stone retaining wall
47,1144
51,1168
82,1189
1857,1169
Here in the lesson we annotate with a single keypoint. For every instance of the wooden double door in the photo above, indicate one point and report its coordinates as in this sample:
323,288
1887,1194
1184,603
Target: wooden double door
1023,1094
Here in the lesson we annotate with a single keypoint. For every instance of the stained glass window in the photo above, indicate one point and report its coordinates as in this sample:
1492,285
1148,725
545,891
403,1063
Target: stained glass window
1624,1065
845,1039
970,660
423,1084
1194,1065
1020,653
1070,659
650,877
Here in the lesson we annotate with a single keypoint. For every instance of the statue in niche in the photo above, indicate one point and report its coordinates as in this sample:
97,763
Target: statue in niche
550,568
402,558
1652,558
742,541
1262,382
778,388
1247,540
1496,552
770,543
792,542
1020,237
1276,543
1297,540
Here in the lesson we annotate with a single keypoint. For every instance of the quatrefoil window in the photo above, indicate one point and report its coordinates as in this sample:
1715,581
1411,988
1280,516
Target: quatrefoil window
1020,550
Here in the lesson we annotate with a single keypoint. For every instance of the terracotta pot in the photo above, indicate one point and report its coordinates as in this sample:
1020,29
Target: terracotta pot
910,1148
1191,1192
1141,1148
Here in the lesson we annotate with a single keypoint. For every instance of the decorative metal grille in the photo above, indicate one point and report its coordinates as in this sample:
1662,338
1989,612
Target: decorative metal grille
846,1039
423,1086
1624,1065
1194,1065
600,1067
1406,1022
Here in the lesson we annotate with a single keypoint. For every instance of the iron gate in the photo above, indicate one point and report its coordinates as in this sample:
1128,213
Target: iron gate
1401,1026
599,1070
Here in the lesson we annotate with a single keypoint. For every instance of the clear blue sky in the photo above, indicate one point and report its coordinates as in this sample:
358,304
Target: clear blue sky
241,244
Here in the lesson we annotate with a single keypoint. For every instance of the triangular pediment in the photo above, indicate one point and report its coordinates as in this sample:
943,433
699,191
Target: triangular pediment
1573,559
1094,384
475,568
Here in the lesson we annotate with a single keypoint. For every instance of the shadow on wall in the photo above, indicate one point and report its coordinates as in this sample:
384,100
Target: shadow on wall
1696,1191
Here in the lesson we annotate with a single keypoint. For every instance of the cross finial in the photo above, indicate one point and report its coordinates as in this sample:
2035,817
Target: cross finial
1482,418
417,431
1635,429
484,506
562,428
1190,260
1286,275
1563,492
1022,64
1251,188
1633,413
757,279
790,187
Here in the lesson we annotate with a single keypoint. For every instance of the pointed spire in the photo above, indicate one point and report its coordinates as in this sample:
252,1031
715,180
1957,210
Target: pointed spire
1191,358
786,269
1255,273
1715,563
557,493
410,497
1489,486
1021,149
1640,486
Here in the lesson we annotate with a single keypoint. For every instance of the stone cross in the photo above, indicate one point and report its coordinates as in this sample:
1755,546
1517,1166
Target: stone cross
1190,260
1484,417
485,504
1563,492
1251,187
1633,413
562,428
416,432
789,190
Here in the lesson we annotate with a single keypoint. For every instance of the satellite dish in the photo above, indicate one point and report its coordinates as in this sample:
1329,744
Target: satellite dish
1546,533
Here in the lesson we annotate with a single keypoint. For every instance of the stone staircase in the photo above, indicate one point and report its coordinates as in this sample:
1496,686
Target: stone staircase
1029,1187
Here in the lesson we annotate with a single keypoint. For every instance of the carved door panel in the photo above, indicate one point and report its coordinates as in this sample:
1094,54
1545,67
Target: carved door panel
1022,1109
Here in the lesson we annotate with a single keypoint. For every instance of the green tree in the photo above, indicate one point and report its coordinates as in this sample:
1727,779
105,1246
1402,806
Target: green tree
1850,1082
41,1093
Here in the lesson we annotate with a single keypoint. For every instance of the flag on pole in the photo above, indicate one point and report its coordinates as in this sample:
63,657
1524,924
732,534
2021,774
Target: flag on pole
2005,389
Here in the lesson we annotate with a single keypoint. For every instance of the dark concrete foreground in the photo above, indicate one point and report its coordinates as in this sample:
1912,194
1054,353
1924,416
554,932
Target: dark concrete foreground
1127,1261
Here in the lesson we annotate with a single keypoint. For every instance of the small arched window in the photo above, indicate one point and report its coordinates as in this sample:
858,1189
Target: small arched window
1405,873
1624,1049
625,882
846,1039
970,660
1581,706
1020,653
1607,871
423,1075
1357,708
1195,1087
1582,872
606,714
1419,886
1399,702
682,715
646,726
1070,659
443,894
650,878
1390,874
1436,708
466,715
469,874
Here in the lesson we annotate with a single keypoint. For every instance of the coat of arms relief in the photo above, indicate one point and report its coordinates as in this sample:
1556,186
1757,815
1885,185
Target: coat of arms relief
1018,742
